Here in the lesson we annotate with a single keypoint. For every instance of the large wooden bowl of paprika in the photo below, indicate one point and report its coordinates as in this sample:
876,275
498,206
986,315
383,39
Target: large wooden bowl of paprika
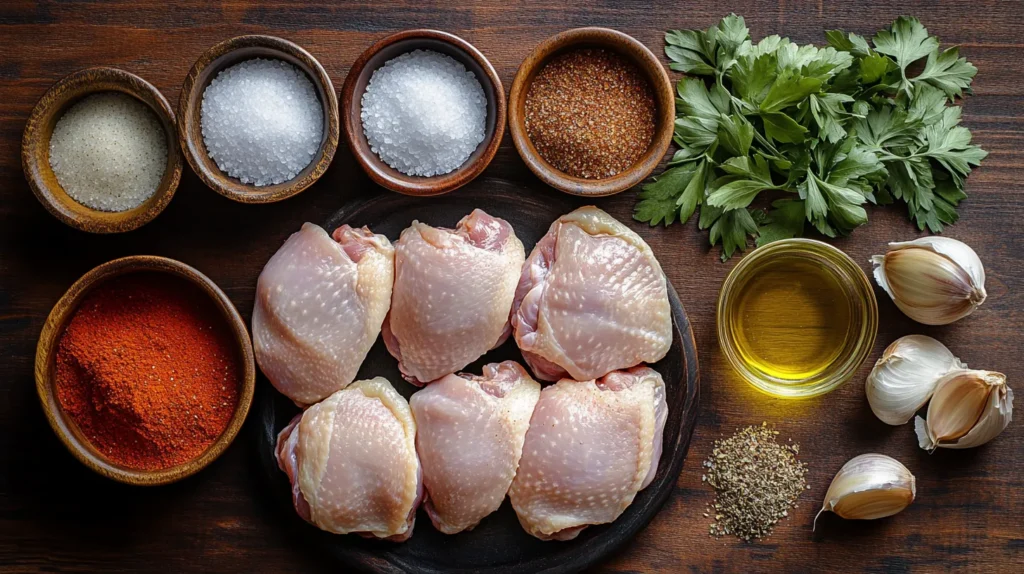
46,356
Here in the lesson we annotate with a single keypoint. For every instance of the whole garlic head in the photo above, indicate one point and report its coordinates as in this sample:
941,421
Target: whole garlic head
968,409
870,486
905,377
933,280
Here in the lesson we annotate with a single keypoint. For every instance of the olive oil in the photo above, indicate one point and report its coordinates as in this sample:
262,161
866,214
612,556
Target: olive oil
791,320
796,318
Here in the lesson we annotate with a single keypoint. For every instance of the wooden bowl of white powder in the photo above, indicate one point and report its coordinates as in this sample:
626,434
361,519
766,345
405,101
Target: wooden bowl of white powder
100,151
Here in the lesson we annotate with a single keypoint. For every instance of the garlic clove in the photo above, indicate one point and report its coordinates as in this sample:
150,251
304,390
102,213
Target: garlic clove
998,414
933,280
904,378
962,406
957,251
869,486
968,409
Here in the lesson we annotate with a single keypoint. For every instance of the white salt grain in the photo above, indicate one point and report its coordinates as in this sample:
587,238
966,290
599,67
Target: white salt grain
423,113
109,152
262,121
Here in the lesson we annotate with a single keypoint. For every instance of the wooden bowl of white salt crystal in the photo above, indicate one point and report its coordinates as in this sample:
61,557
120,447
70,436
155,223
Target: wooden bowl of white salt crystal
436,109
258,119
100,151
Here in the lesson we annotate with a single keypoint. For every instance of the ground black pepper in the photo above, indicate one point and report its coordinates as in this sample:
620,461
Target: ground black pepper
590,113
756,482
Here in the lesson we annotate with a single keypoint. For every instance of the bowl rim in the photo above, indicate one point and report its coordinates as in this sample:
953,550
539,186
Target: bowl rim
660,84
384,175
840,373
189,106
54,327
51,106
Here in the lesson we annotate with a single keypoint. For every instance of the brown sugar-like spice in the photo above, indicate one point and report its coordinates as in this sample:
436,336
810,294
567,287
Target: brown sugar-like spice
148,371
590,113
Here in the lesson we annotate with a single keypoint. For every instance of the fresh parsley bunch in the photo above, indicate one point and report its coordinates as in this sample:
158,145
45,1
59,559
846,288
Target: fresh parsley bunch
825,130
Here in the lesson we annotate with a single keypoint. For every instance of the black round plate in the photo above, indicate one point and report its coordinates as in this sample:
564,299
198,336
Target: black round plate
498,544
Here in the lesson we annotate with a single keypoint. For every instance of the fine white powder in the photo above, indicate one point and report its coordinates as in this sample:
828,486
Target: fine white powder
423,113
109,152
262,122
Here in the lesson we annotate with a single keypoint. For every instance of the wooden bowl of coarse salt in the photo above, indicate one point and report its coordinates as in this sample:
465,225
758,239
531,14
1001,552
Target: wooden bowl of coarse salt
100,151
258,119
428,135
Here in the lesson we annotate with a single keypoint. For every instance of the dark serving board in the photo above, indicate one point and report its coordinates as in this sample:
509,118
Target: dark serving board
498,544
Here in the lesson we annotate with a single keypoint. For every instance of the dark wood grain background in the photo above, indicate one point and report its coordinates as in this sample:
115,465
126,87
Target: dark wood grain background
55,515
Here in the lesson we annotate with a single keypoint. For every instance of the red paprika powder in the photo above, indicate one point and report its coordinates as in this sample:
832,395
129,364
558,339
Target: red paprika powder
148,371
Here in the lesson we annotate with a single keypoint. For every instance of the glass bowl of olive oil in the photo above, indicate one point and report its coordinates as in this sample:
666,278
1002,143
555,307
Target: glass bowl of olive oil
796,318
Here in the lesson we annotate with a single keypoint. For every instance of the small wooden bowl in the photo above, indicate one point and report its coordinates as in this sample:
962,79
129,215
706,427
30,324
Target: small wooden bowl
391,47
190,132
45,367
628,47
35,150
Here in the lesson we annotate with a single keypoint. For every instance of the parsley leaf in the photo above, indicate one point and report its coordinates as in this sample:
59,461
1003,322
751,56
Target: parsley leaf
732,229
689,52
948,72
927,105
780,127
907,42
735,134
747,178
874,67
851,42
705,52
664,200
950,145
789,88
786,220
819,132
753,76
829,114
696,101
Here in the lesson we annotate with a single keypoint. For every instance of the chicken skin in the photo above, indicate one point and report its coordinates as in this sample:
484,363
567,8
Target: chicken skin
592,299
320,302
352,462
590,448
469,435
452,294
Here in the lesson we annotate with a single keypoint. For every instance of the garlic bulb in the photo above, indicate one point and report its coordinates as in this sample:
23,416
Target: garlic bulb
869,486
968,409
933,280
905,377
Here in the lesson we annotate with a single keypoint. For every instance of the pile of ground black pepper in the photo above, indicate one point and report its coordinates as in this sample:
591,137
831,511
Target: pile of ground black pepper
756,482
590,113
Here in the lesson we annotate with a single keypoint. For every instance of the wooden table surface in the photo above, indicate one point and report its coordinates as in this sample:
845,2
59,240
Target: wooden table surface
57,516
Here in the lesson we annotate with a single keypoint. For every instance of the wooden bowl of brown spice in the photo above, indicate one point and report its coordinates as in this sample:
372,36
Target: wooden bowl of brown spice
591,111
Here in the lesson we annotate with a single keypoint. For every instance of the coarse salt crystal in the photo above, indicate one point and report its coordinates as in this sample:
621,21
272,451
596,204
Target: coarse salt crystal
262,122
424,113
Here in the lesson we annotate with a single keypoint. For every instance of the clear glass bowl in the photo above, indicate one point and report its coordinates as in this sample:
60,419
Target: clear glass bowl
859,295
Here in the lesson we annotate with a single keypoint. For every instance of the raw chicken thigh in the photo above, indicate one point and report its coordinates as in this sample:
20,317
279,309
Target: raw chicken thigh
320,302
352,462
590,448
592,299
470,433
452,295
